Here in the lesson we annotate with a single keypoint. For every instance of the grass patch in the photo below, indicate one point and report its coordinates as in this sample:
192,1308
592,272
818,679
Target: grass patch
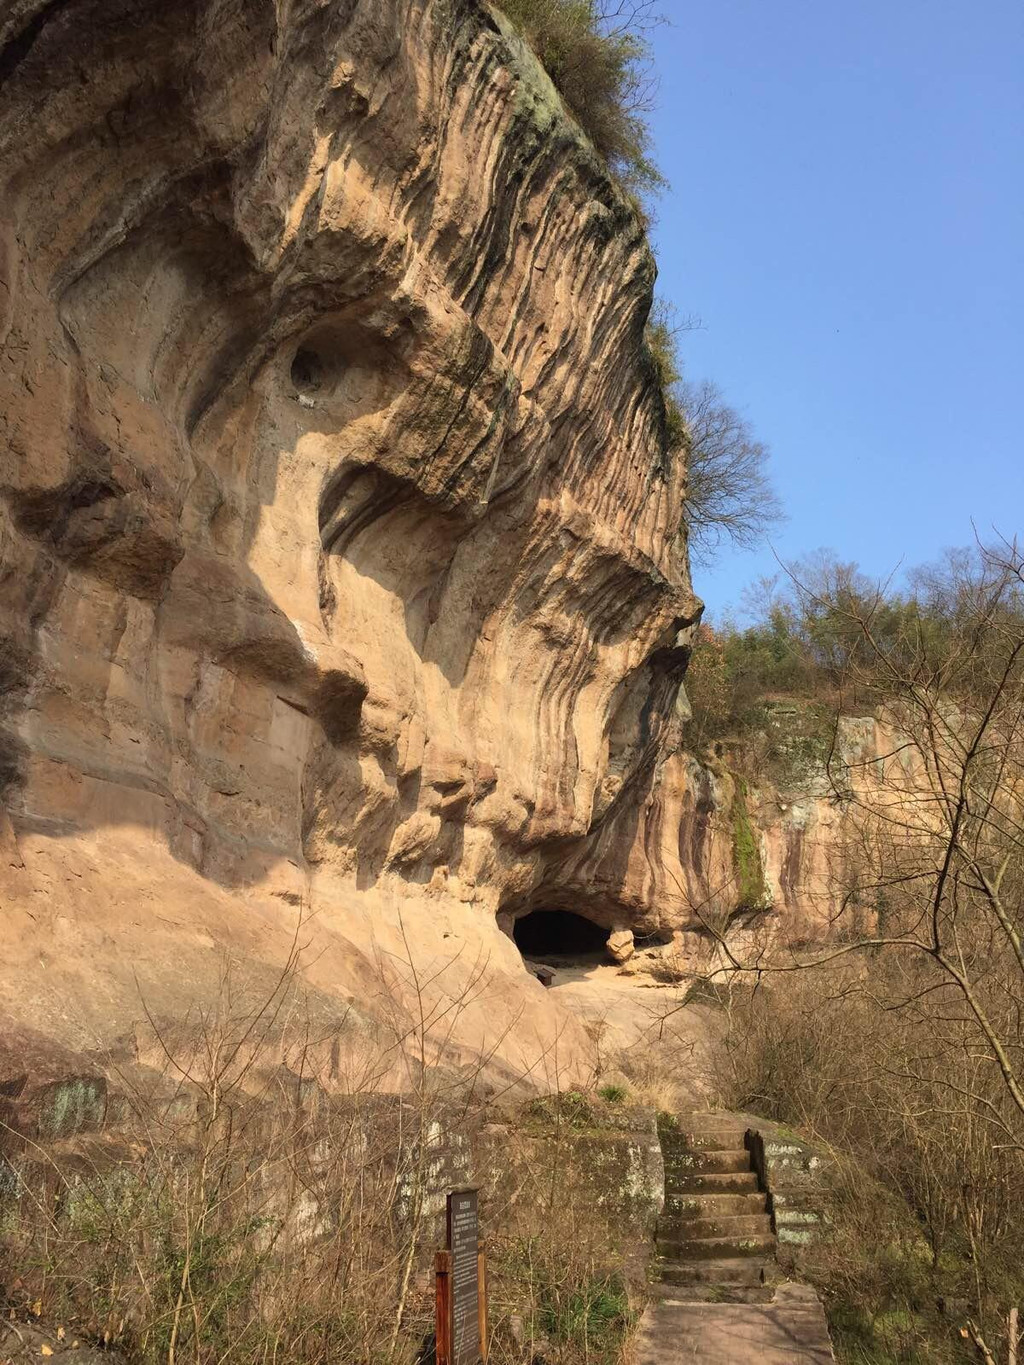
593,1317
897,1337
614,1094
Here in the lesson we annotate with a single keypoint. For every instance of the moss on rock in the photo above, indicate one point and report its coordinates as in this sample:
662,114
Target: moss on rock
746,849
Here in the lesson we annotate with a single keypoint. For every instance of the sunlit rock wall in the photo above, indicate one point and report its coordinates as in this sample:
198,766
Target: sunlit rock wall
342,596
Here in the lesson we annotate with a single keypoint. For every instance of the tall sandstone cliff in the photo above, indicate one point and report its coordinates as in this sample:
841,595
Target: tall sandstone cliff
342,579
343,598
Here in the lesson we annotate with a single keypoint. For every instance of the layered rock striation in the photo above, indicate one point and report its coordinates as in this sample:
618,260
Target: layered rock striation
343,597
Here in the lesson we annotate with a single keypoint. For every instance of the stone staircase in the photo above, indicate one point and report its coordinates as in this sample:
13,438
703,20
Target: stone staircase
715,1235
722,1299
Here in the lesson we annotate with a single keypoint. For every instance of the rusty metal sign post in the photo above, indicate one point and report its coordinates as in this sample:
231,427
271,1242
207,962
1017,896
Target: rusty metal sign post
461,1286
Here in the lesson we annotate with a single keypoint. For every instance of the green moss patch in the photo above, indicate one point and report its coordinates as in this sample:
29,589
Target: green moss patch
746,851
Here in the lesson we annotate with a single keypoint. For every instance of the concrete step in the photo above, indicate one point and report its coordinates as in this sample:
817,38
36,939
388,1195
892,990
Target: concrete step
713,1139
741,1271
678,1329
718,1245
714,1162
711,1120
719,1248
762,1291
685,1140
698,1182
732,1225
720,1140
720,1205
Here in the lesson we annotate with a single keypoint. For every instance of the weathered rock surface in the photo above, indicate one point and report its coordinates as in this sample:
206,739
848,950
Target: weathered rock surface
768,849
620,945
344,608
764,852
341,586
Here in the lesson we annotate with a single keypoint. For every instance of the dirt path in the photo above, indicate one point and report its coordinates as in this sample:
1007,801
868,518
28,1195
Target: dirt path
635,1014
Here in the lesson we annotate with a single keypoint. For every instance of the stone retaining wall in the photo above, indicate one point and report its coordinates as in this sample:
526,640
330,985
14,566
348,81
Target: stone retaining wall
606,1155
792,1173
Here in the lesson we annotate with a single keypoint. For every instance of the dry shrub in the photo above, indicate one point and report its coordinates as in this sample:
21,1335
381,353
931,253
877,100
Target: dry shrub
876,1062
568,1263
306,1236
236,1211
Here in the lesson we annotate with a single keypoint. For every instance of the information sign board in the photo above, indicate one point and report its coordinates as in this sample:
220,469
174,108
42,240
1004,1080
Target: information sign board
463,1244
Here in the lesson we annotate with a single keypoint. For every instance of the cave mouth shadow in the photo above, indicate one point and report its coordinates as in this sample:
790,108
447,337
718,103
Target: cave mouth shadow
562,937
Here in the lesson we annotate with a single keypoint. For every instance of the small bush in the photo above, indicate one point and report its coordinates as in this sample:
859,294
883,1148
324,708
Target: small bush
574,1109
599,63
569,1107
663,349
593,1317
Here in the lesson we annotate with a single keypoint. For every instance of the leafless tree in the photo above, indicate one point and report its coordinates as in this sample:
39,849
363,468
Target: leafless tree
730,499
628,16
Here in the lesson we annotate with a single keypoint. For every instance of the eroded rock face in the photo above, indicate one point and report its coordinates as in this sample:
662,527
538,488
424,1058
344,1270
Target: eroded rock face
341,572
762,843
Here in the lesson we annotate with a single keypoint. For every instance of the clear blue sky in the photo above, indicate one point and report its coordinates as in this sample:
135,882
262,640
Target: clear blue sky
846,215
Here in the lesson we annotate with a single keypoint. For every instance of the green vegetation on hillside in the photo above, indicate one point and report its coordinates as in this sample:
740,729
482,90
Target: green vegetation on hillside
750,884
829,637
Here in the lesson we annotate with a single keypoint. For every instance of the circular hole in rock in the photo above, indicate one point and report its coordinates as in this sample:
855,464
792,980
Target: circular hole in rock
307,371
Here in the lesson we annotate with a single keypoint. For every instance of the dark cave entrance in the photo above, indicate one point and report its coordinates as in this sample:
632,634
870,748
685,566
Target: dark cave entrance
560,934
